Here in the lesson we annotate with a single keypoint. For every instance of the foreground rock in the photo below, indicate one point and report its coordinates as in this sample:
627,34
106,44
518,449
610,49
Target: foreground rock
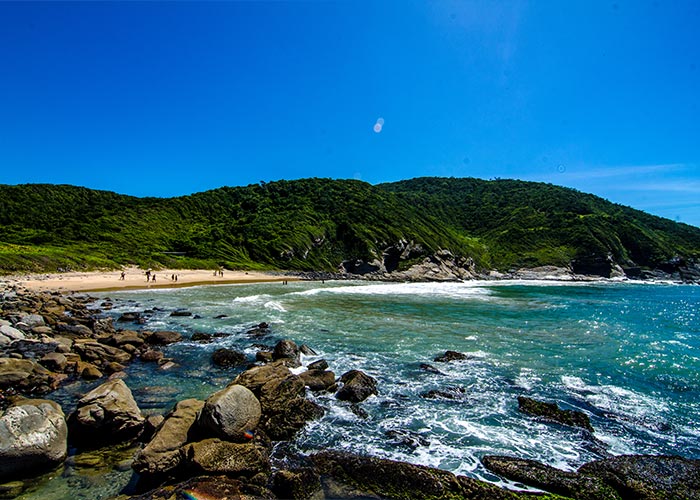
532,473
206,487
357,386
162,453
107,414
231,413
33,436
551,412
238,460
648,477
351,476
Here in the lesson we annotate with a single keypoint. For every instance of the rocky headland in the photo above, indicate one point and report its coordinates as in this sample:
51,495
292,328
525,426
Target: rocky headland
235,442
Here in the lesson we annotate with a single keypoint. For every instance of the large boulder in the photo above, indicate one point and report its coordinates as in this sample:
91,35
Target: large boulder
214,456
648,477
107,414
33,436
357,386
162,453
550,479
230,413
551,412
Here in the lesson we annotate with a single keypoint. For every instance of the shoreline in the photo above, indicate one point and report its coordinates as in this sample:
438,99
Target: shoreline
135,279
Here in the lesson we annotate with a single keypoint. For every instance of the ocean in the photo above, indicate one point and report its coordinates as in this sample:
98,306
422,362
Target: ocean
626,354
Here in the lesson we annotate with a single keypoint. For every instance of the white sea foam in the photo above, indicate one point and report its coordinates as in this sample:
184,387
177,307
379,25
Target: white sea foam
451,290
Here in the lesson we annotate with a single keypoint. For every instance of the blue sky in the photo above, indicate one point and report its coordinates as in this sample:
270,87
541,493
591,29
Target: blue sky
165,99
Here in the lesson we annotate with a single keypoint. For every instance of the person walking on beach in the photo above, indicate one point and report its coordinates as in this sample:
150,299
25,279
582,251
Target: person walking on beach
153,278
122,276
148,275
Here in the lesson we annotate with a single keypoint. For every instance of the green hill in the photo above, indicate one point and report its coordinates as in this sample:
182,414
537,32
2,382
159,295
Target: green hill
315,224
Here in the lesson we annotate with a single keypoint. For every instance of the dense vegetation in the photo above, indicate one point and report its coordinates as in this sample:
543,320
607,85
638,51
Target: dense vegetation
315,224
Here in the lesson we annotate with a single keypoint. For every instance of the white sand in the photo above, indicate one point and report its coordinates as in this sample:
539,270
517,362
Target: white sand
135,278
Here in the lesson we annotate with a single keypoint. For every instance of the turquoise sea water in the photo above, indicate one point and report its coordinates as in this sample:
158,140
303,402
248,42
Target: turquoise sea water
626,354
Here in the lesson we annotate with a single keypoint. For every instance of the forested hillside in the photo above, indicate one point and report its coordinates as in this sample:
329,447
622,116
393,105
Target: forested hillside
531,224
316,224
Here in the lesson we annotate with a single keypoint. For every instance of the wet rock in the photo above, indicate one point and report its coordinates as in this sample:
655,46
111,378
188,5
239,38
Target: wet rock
107,414
291,418
451,356
129,317
344,475
297,484
318,380
648,477
214,456
453,393
407,438
26,376
228,358
259,330
550,479
164,338
321,364
180,313
255,378
33,436
162,453
357,386
125,337
151,355
54,361
430,368
551,412
263,356
201,337
230,413
287,349
88,371
97,353
306,350
276,393
221,316
209,487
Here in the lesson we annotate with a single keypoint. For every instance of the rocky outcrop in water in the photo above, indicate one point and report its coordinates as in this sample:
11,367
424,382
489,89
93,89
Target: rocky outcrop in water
551,412
357,386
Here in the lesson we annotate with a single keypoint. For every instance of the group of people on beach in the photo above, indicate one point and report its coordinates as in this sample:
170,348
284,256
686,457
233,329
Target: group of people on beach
219,272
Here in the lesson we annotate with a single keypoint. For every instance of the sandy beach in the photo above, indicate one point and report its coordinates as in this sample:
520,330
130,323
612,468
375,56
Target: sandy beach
135,278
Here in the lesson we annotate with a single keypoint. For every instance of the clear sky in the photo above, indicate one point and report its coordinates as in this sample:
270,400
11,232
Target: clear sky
165,99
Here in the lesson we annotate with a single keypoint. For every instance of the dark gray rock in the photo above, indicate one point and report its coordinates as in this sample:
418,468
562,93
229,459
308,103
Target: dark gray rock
648,477
228,358
532,473
551,412
357,386
450,356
